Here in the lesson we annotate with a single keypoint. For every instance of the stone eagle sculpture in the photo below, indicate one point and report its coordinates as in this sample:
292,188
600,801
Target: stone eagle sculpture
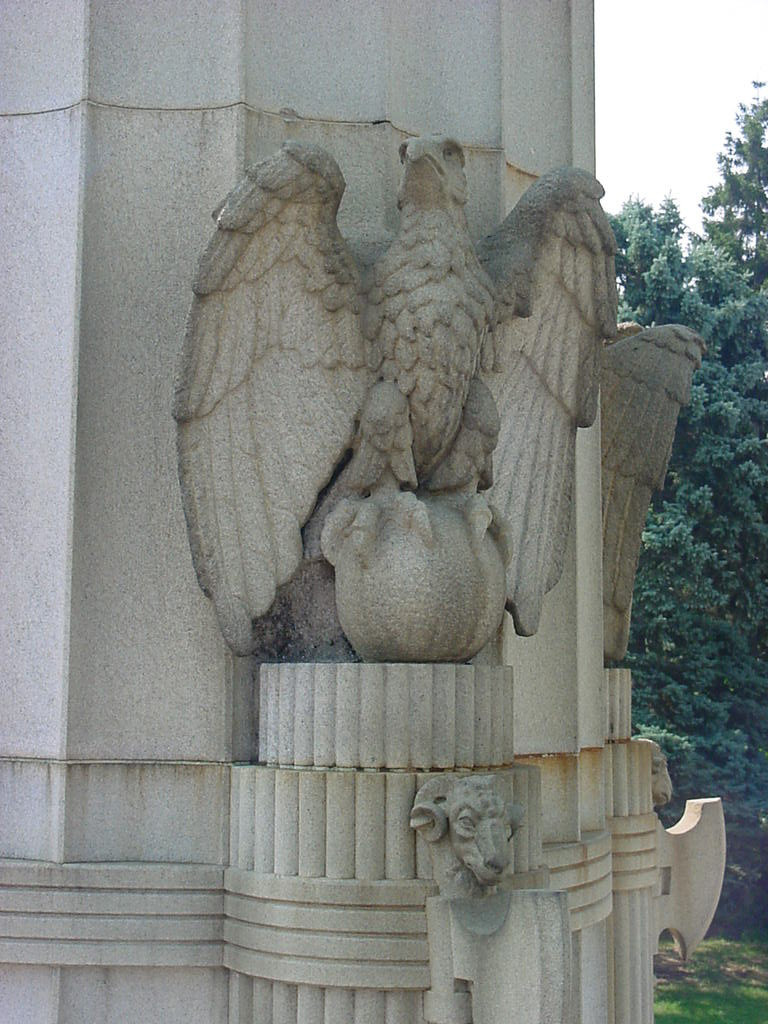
646,380
369,405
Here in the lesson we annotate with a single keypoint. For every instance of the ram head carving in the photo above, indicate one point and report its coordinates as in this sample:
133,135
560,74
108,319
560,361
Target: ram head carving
468,822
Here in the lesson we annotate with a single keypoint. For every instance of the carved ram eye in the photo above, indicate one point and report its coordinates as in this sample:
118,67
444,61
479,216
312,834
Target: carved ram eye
466,824
448,152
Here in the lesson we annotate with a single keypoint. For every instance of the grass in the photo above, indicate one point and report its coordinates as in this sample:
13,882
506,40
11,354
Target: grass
723,983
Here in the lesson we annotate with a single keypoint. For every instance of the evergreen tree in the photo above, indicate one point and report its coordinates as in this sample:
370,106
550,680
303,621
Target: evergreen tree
738,205
699,640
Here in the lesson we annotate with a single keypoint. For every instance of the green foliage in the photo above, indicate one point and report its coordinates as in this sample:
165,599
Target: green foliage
738,206
725,981
699,640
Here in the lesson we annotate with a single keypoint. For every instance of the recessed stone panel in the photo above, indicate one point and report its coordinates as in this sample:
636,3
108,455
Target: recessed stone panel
38,366
142,995
147,665
146,812
165,54
323,60
42,55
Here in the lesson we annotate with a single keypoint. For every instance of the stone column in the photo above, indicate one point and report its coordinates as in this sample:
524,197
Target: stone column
661,878
635,876
632,823
124,125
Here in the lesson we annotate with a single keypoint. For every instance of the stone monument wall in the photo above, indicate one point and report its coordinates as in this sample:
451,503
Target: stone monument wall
132,822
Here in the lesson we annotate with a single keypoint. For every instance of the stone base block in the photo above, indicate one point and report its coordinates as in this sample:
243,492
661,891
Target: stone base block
591,981
491,955
325,902
29,994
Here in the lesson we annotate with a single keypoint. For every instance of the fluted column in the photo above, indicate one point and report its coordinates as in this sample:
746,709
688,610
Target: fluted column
326,889
633,826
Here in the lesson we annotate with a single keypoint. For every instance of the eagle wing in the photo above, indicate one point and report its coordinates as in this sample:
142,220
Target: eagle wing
272,376
646,380
552,261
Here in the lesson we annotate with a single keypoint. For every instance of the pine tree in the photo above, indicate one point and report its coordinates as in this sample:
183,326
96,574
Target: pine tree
699,640
738,205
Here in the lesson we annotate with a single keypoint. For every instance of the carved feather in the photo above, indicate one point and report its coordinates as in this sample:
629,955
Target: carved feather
646,379
552,263
272,376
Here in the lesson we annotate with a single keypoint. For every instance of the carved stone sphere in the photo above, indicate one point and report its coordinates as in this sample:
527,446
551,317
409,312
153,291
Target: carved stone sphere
418,578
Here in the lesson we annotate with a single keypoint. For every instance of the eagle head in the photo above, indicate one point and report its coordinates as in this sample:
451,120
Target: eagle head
433,173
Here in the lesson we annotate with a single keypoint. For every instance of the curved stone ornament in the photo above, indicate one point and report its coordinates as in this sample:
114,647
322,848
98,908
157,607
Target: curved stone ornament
692,865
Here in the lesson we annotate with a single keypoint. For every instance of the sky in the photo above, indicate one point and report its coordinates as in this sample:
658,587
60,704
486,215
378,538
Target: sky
669,76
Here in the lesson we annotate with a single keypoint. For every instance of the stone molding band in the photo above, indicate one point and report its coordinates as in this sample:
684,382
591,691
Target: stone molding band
385,716
111,914
301,930
635,853
206,916
180,915
583,869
